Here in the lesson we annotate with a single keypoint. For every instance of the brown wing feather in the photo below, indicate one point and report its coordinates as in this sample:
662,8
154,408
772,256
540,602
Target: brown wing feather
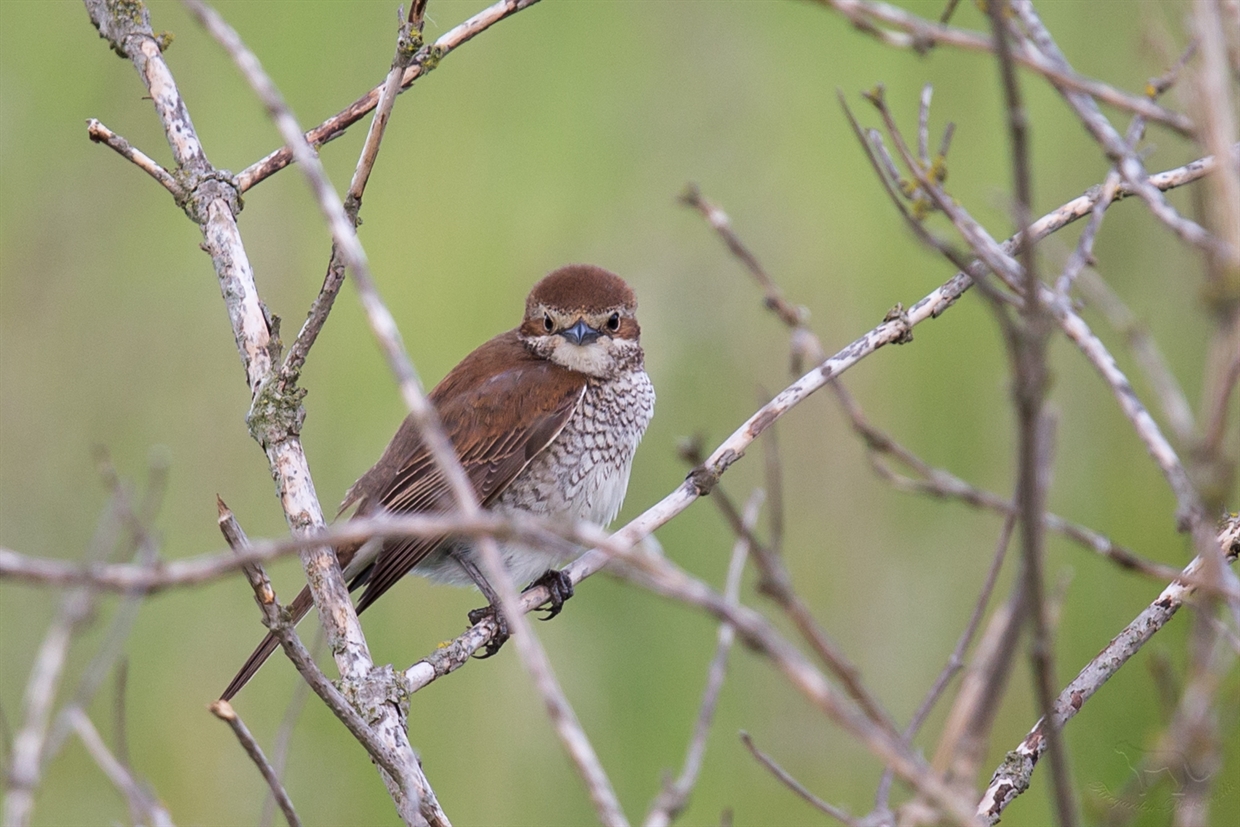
297,610
500,407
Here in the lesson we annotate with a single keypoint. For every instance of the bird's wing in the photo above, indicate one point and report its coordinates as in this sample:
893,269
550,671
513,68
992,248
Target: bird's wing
497,422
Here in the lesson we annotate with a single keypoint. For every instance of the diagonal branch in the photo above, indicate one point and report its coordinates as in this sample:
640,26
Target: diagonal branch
372,695
933,481
1027,342
100,134
427,59
908,31
674,796
383,325
224,711
1013,776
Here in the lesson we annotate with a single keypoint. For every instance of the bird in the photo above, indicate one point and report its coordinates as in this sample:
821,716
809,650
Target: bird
545,420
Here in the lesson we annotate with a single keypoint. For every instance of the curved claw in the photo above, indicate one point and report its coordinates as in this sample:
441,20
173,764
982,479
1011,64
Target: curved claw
501,635
557,583
560,586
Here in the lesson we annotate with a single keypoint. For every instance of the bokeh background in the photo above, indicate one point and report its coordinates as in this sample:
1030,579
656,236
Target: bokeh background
565,134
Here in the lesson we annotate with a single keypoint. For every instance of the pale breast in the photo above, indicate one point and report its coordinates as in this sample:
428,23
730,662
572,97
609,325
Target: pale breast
584,473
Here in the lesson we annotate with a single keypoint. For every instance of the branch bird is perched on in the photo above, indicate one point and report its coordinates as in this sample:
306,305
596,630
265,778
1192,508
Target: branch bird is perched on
544,419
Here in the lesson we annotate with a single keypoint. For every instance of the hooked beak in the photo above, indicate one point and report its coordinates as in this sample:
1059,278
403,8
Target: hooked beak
580,333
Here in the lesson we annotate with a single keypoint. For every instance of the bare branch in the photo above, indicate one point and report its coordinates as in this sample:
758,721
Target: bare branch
407,41
384,327
45,676
284,735
674,795
908,31
427,59
354,657
138,521
797,787
956,661
660,575
1027,344
998,259
100,134
224,711
934,481
1012,777
938,482
1039,41
776,583
401,771
25,765
1166,387
140,801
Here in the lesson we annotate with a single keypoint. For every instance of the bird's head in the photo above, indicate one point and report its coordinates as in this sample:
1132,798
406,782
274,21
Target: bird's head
584,318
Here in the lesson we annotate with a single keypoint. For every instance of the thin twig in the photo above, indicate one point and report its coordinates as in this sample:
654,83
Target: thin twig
1179,414
1039,41
393,761
224,711
674,795
658,574
408,40
934,481
923,124
773,469
1082,255
25,765
284,735
344,236
427,59
1013,776
965,736
100,134
955,661
776,583
1027,343
275,421
998,258
127,577
938,482
533,656
908,31
354,659
409,788
797,787
138,521
140,800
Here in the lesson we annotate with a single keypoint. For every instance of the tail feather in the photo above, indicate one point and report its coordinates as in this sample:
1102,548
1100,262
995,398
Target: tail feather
297,609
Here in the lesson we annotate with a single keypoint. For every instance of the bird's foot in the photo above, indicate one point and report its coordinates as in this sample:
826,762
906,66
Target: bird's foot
501,629
560,585
557,583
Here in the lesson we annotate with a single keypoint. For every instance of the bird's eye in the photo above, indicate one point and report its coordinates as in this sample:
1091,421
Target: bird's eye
548,325
613,322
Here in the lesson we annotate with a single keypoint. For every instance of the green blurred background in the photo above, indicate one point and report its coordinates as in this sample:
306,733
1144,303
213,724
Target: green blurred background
565,134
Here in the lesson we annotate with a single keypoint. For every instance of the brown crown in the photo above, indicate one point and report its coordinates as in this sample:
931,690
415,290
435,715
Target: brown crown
581,288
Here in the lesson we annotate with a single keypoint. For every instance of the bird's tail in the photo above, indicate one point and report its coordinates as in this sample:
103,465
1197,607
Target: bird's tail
297,610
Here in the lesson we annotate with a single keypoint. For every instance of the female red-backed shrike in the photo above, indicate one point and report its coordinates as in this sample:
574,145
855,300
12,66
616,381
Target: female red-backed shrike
544,419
